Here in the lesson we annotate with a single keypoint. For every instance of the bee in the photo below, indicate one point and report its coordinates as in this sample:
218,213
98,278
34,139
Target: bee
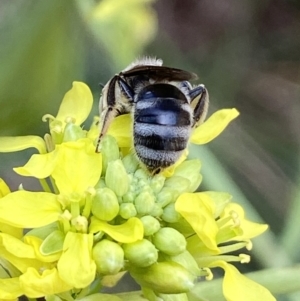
165,108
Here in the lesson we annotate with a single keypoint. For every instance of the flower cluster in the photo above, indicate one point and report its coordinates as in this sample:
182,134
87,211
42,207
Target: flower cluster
101,214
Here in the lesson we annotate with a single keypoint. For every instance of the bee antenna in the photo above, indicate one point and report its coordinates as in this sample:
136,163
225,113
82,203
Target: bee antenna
101,85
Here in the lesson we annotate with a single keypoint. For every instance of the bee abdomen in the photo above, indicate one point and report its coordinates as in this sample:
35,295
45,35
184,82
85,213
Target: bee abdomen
159,146
162,125
156,159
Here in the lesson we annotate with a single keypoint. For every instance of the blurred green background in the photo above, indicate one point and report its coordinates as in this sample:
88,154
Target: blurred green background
247,53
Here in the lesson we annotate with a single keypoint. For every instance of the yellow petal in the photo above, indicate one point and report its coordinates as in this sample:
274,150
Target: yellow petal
121,129
77,103
14,144
198,210
27,209
75,265
37,285
4,189
78,166
249,229
10,289
21,263
39,166
16,246
16,232
237,287
131,231
221,199
213,126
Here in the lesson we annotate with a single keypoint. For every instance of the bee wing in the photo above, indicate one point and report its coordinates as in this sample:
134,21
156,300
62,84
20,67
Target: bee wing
160,73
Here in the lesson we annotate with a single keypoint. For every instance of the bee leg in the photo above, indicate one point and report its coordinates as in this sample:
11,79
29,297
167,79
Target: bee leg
126,90
199,101
116,100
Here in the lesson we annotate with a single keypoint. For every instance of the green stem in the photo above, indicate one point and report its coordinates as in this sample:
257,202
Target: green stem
88,205
75,209
45,185
290,231
56,191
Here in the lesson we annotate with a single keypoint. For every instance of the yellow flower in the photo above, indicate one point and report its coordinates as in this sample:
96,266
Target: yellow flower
25,271
216,221
91,200
74,168
73,111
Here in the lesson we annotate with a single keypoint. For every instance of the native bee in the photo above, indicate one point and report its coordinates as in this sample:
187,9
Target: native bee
165,108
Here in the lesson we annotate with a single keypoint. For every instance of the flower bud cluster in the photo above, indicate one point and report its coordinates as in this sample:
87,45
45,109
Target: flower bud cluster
126,191
104,214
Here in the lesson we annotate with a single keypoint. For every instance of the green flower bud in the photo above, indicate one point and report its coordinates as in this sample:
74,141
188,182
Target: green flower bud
195,182
183,227
157,183
156,211
110,151
116,177
143,184
108,256
188,261
105,205
178,183
150,295
130,163
169,241
141,253
101,184
73,132
170,215
166,196
190,169
53,243
144,203
151,225
165,278
127,210
141,174
134,183
187,168
128,197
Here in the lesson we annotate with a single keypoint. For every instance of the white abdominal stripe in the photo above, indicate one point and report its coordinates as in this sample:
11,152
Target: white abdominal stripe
157,158
164,131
